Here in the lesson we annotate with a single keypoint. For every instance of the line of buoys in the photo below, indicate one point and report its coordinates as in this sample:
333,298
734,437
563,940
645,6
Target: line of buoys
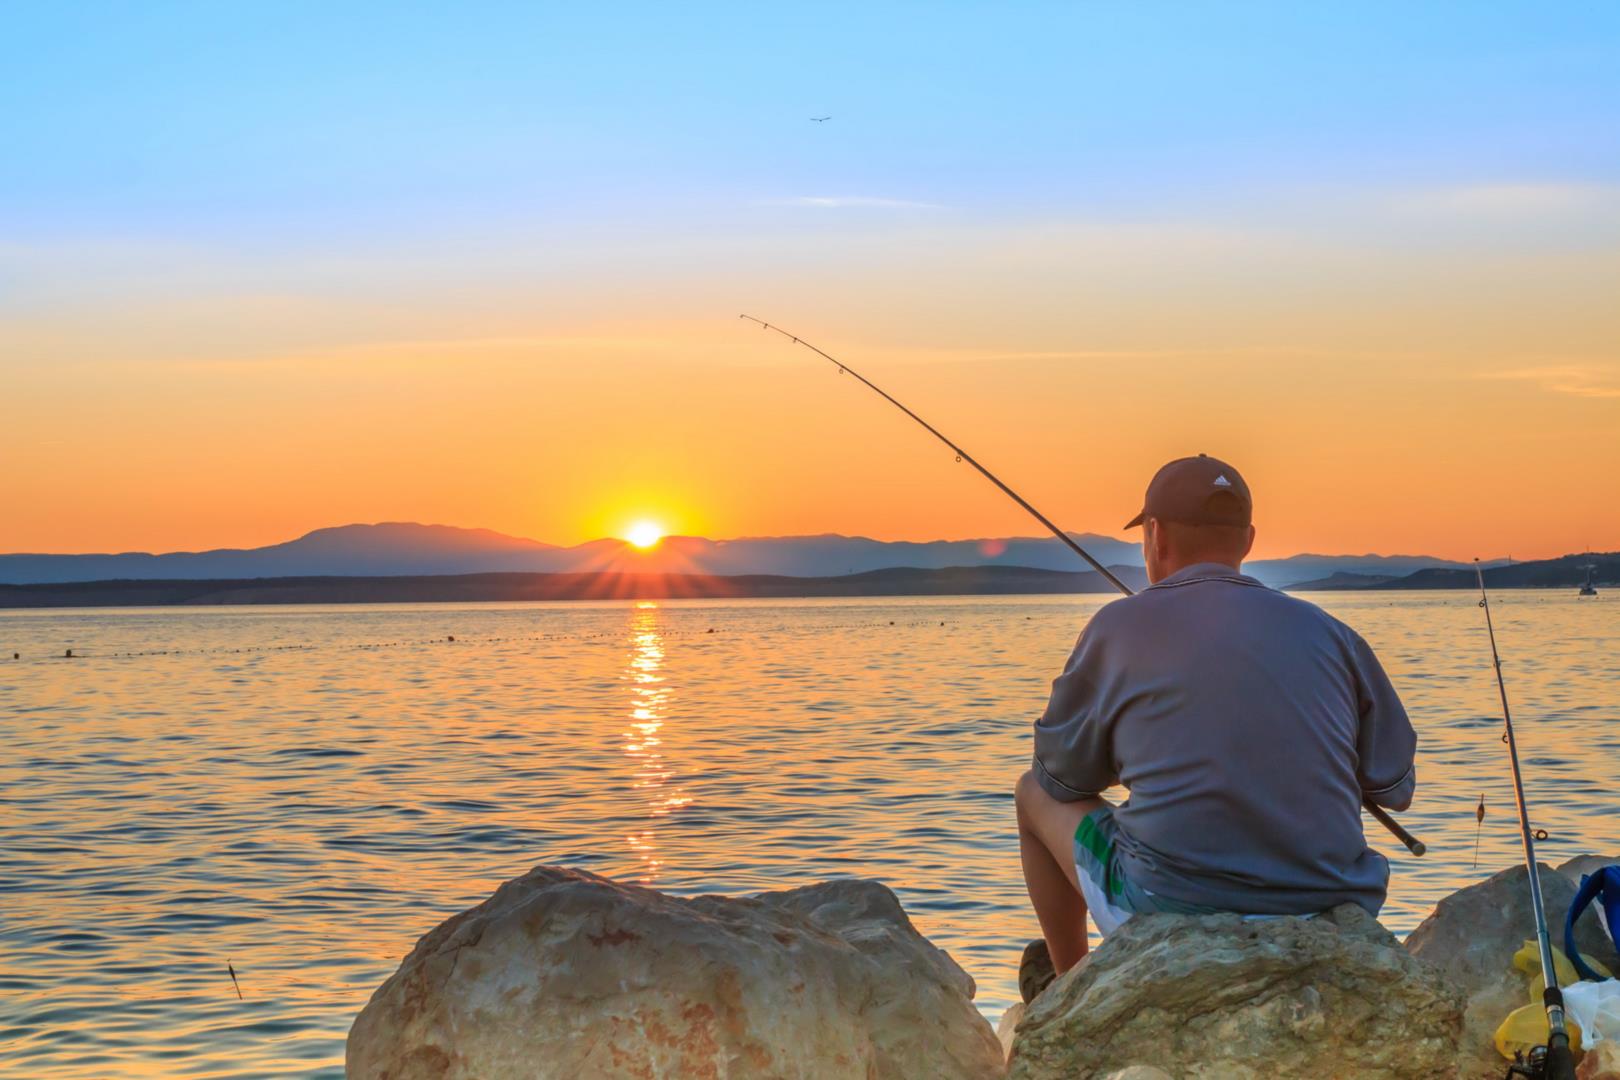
71,654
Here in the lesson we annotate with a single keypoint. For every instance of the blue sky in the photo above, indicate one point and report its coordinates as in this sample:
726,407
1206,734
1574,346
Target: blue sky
291,120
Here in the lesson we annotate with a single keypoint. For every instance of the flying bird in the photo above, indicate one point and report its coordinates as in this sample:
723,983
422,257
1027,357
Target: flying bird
819,119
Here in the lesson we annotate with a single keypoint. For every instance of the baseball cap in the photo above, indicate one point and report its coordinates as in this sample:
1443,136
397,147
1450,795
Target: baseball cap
1197,491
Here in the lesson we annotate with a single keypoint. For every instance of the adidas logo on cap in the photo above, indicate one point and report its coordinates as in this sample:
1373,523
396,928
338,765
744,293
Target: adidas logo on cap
1222,481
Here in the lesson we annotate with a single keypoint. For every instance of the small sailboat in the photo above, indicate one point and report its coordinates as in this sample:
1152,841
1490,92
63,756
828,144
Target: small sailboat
1588,587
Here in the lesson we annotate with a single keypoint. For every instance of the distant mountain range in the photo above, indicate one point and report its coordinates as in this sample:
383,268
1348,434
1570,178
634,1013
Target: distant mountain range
397,549
473,588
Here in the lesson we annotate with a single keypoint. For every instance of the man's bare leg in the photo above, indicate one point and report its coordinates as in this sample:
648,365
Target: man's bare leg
1046,847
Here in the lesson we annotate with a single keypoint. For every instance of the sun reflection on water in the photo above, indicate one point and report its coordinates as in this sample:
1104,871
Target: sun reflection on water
643,742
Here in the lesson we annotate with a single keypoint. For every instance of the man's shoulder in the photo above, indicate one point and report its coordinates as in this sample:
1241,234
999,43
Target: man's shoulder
1120,614
1299,605
1304,609
1304,614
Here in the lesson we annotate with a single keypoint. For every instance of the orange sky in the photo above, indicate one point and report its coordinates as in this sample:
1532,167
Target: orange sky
265,272
1451,398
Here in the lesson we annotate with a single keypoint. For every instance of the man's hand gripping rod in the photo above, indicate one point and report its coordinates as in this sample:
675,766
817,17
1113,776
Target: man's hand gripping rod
1413,844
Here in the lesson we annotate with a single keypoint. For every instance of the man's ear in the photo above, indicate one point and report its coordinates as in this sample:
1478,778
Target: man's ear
1248,547
1156,536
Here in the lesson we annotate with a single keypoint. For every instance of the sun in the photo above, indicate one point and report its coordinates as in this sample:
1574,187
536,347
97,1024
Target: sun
644,534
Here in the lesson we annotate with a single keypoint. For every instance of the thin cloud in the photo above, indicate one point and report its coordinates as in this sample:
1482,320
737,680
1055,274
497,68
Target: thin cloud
1527,200
427,350
1577,380
854,202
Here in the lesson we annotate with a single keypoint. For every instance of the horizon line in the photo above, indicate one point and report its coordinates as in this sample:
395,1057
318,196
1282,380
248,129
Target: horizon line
677,537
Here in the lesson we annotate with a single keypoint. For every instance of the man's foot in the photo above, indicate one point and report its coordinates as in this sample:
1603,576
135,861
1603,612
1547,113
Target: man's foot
1035,971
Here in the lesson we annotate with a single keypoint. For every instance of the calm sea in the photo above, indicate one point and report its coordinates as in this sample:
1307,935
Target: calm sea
302,792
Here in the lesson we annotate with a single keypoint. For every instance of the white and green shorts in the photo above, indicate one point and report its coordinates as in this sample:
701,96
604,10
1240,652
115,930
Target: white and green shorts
1110,895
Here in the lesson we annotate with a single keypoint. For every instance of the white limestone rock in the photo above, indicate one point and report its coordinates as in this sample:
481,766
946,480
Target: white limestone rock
565,974
1217,996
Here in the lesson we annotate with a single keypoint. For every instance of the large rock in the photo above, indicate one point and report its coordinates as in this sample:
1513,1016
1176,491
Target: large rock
1585,864
566,974
1472,936
1201,997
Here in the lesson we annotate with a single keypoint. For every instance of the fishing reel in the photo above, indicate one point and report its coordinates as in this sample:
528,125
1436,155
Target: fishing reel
1542,1064
1532,1066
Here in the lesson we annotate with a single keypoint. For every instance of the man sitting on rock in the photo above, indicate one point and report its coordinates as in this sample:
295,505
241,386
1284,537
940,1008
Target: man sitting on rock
1248,726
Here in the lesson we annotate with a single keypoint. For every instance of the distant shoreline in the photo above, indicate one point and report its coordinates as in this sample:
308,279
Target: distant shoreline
488,587
493,587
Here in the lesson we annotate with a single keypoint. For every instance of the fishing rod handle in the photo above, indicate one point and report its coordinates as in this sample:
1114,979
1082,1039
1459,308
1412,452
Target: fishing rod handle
1560,1061
1413,844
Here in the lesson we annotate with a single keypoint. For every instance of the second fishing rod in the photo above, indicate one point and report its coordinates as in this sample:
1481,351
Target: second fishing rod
1412,843
1556,1059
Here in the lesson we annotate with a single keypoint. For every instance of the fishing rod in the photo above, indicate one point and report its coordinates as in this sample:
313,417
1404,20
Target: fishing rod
1412,843
961,454
1556,1060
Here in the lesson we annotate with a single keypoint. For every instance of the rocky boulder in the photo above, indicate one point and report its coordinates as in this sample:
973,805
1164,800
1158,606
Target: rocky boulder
1585,864
1471,937
1201,997
1008,1025
565,974
1035,970
1602,1062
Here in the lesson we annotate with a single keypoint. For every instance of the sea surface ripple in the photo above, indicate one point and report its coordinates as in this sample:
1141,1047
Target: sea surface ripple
302,792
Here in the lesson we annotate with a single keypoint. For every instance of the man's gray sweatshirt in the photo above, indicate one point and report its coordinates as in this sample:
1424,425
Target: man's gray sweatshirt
1247,725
